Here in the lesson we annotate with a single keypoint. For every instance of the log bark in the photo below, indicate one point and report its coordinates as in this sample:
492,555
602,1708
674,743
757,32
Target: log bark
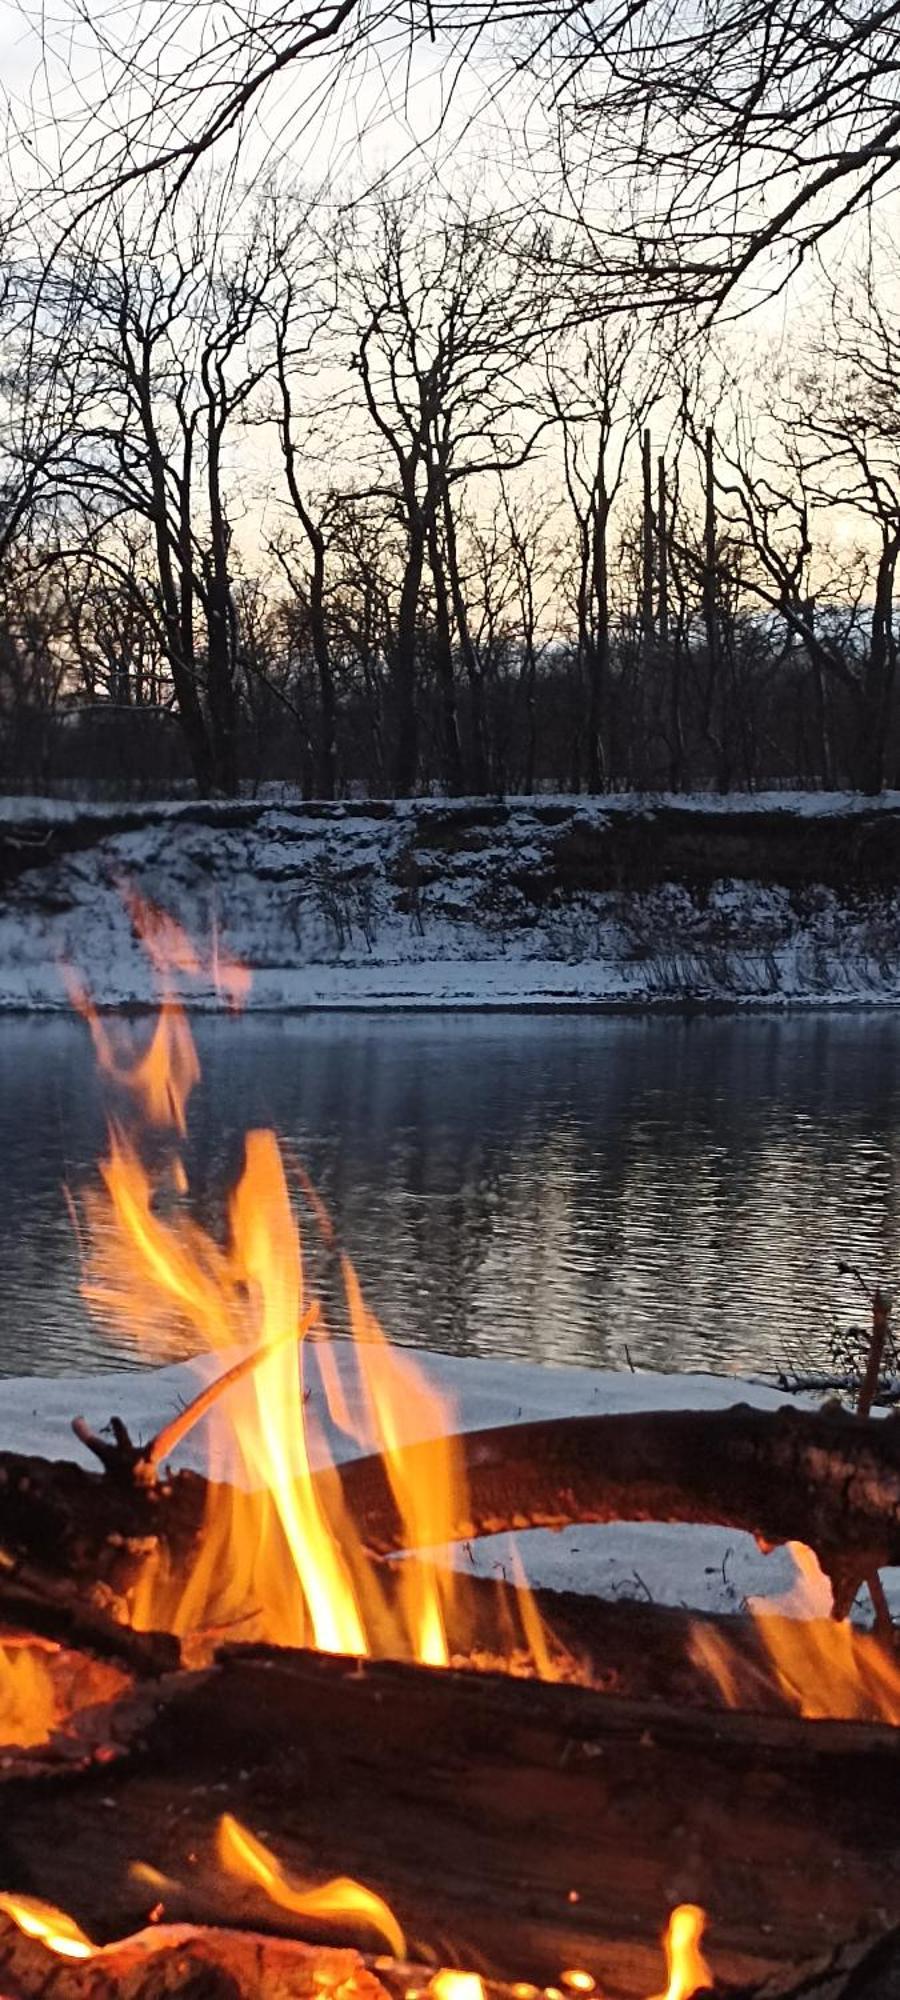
515,1828
827,1479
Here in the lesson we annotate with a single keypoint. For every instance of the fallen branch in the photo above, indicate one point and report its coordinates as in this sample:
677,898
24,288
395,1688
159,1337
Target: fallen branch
823,1478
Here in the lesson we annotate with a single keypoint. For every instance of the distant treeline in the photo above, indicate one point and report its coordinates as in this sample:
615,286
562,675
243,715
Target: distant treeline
351,507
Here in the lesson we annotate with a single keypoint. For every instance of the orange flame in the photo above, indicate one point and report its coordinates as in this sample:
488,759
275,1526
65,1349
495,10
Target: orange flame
278,1551
821,1667
168,946
242,1855
28,1704
685,1964
164,1076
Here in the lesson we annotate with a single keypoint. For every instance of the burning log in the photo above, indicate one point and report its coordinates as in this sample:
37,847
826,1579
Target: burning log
823,1478
207,1964
56,1608
514,1827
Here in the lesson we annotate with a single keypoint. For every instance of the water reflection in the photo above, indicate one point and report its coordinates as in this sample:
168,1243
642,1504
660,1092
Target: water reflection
563,1187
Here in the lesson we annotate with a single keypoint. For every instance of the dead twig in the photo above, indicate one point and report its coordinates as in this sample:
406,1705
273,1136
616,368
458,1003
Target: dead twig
882,1302
173,1433
135,1463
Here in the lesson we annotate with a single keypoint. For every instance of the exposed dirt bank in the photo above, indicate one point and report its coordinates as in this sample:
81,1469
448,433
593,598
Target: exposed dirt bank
553,901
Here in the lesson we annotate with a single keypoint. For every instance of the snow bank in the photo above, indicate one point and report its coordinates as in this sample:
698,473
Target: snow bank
707,1569
783,898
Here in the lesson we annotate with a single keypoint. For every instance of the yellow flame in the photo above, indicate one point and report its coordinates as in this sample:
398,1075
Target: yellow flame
685,1964
52,1927
450,1985
395,1392
163,1077
246,1857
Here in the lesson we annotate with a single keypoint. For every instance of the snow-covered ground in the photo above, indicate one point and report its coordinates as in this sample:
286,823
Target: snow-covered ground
543,902
703,1568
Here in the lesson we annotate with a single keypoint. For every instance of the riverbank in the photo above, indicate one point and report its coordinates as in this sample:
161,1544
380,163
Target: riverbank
782,899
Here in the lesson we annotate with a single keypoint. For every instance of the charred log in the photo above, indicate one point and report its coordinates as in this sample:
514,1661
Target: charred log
515,1828
58,1608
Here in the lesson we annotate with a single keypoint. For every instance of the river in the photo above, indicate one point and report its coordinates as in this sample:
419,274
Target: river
573,1188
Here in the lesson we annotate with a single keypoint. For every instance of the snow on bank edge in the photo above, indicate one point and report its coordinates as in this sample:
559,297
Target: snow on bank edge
706,1569
411,907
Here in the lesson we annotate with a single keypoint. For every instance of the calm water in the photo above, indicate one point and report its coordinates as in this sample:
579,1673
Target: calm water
551,1187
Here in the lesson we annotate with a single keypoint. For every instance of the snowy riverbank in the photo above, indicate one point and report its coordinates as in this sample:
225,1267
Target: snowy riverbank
708,1569
782,899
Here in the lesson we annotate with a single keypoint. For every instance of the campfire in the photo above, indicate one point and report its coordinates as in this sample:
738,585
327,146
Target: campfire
220,1690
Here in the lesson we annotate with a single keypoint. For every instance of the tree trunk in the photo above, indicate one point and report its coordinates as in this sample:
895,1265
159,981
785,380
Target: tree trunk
648,635
662,542
175,605
710,595
481,773
406,738
220,662
878,685
326,761
598,656
451,753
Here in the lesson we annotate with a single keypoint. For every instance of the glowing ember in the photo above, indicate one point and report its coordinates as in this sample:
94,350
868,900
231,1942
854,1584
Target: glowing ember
279,1558
822,1667
28,1703
340,1901
450,1985
686,1966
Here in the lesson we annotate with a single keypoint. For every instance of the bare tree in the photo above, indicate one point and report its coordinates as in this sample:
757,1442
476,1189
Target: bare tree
443,332
743,129
601,388
169,360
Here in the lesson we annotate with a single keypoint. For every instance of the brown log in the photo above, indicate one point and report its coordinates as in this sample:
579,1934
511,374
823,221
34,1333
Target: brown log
827,1479
824,1478
479,1807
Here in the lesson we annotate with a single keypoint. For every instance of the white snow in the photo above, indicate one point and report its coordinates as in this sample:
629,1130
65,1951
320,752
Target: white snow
707,1569
400,906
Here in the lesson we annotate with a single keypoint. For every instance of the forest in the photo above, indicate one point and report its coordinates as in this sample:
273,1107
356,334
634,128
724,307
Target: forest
428,480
